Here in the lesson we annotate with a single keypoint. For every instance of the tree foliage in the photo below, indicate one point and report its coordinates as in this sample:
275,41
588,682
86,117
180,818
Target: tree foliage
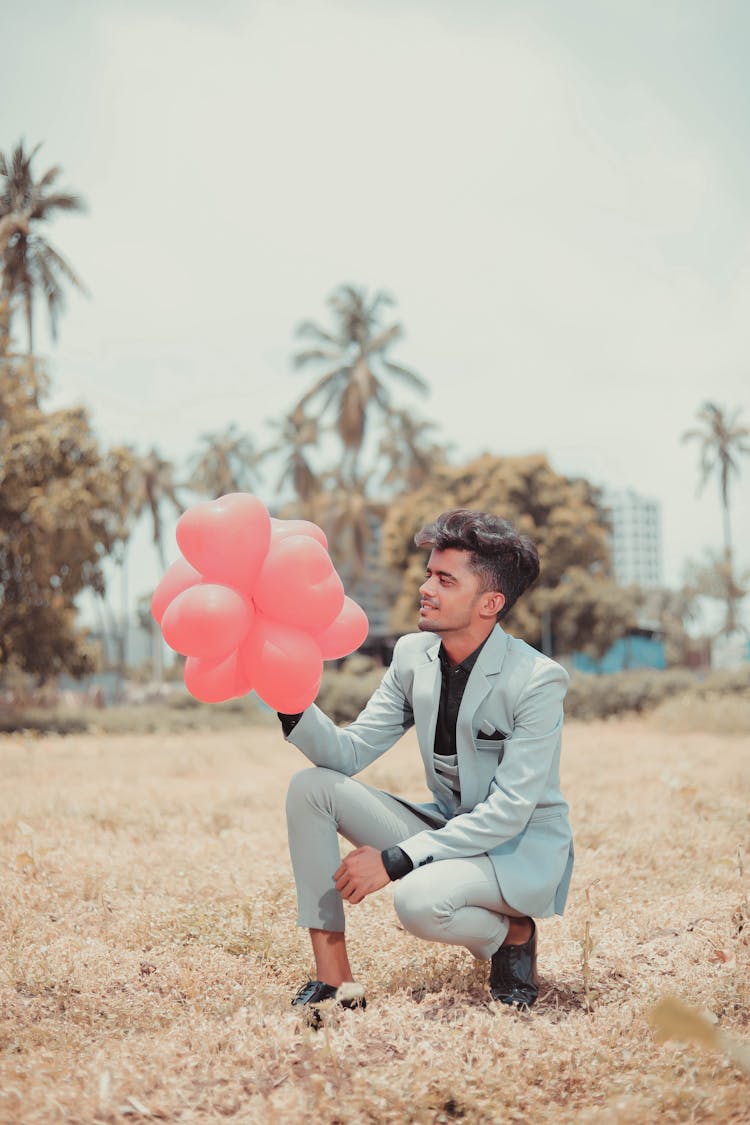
31,266
586,610
356,366
377,448
226,462
58,519
723,441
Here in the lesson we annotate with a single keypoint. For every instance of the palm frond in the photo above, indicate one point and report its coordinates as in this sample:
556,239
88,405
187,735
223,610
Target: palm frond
416,382
380,301
49,176
308,328
43,251
325,381
314,355
384,339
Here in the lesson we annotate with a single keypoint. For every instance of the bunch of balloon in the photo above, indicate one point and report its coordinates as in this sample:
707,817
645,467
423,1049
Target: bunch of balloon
255,604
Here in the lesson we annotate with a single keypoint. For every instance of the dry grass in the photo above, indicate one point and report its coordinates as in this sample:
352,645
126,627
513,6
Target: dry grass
150,947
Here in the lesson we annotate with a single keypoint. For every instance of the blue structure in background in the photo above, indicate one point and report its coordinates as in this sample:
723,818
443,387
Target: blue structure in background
637,650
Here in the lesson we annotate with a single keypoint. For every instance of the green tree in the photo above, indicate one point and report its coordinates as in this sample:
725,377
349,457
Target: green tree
297,436
723,441
585,609
31,266
409,450
150,484
58,521
714,577
227,462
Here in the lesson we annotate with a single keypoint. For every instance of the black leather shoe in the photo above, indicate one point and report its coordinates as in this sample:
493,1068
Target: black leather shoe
513,975
316,992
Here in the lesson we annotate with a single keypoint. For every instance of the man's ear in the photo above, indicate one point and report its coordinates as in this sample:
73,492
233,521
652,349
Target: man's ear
492,602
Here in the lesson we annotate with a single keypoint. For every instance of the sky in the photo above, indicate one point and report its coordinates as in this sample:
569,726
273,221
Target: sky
556,195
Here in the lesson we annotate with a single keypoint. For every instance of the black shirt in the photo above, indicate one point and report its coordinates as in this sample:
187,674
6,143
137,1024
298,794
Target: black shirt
454,680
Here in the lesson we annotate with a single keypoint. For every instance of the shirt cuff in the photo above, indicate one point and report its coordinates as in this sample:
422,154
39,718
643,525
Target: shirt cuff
289,722
396,863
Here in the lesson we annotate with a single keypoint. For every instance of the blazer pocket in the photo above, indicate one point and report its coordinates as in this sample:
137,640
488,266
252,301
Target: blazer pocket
546,813
490,748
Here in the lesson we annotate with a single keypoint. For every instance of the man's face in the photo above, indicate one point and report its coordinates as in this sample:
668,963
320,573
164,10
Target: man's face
449,597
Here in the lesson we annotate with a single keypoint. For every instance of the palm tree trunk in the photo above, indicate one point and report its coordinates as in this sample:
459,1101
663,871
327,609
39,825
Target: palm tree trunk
123,637
731,622
29,302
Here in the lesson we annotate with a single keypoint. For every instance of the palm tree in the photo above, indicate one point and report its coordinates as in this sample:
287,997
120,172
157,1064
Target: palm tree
349,517
145,483
227,463
154,483
297,434
356,366
409,451
30,265
723,441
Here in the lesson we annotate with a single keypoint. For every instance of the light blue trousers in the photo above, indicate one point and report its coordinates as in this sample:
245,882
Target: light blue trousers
457,901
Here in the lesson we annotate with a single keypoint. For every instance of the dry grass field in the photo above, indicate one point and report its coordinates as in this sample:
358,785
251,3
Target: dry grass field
150,951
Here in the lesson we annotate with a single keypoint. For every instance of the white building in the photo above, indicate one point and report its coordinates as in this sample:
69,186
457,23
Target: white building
635,538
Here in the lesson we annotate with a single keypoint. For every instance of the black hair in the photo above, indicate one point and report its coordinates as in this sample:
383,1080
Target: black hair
504,559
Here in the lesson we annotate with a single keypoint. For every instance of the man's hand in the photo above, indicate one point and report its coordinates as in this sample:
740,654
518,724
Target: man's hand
361,873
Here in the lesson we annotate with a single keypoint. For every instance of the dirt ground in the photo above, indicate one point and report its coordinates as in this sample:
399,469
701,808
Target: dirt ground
150,948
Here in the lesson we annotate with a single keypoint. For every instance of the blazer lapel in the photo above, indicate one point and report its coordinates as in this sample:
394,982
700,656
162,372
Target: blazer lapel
480,683
425,701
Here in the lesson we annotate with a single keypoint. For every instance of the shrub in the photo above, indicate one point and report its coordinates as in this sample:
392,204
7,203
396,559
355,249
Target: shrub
345,690
636,691
669,692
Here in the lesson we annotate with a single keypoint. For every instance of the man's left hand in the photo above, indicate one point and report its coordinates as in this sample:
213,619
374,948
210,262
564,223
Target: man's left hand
361,873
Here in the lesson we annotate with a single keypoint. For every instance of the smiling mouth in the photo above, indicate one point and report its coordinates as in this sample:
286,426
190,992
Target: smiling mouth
426,605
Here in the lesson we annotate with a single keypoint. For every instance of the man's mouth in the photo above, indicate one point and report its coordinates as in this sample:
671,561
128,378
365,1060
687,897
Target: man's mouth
426,605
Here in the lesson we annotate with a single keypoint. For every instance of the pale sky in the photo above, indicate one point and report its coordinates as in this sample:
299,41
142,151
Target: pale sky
556,194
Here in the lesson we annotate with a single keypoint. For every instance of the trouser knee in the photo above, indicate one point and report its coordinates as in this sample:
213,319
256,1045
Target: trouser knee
311,787
417,914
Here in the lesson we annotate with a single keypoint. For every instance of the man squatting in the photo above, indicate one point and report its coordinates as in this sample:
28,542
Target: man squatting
493,850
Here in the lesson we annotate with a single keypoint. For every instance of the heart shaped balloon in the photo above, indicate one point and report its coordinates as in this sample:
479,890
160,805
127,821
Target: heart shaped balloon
345,633
208,621
178,577
226,539
255,604
298,584
214,681
282,529
283,664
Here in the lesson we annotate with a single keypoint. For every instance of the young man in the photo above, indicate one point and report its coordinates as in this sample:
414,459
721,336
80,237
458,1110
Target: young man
493,849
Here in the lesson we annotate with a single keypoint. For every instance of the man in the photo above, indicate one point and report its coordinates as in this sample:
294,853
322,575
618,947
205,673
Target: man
493,850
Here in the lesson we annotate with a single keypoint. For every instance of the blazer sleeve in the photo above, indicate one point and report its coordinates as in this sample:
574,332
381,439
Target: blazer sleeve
518,784
387,716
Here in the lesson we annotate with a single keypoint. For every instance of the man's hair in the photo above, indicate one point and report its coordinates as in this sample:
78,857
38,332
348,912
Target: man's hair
504,559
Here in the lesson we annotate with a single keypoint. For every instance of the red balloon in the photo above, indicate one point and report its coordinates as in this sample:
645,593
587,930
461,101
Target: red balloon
213,681
226,539
345,634
298,584
178,577
282,529
283,664
207,621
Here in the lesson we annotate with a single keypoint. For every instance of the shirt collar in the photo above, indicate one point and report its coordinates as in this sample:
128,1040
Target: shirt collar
467,663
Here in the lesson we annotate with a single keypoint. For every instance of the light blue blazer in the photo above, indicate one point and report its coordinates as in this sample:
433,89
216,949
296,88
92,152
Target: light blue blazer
511,807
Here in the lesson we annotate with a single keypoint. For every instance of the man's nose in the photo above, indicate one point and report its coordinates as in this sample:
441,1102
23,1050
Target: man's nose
425,587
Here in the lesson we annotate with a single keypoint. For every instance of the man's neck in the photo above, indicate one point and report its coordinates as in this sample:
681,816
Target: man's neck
457,646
